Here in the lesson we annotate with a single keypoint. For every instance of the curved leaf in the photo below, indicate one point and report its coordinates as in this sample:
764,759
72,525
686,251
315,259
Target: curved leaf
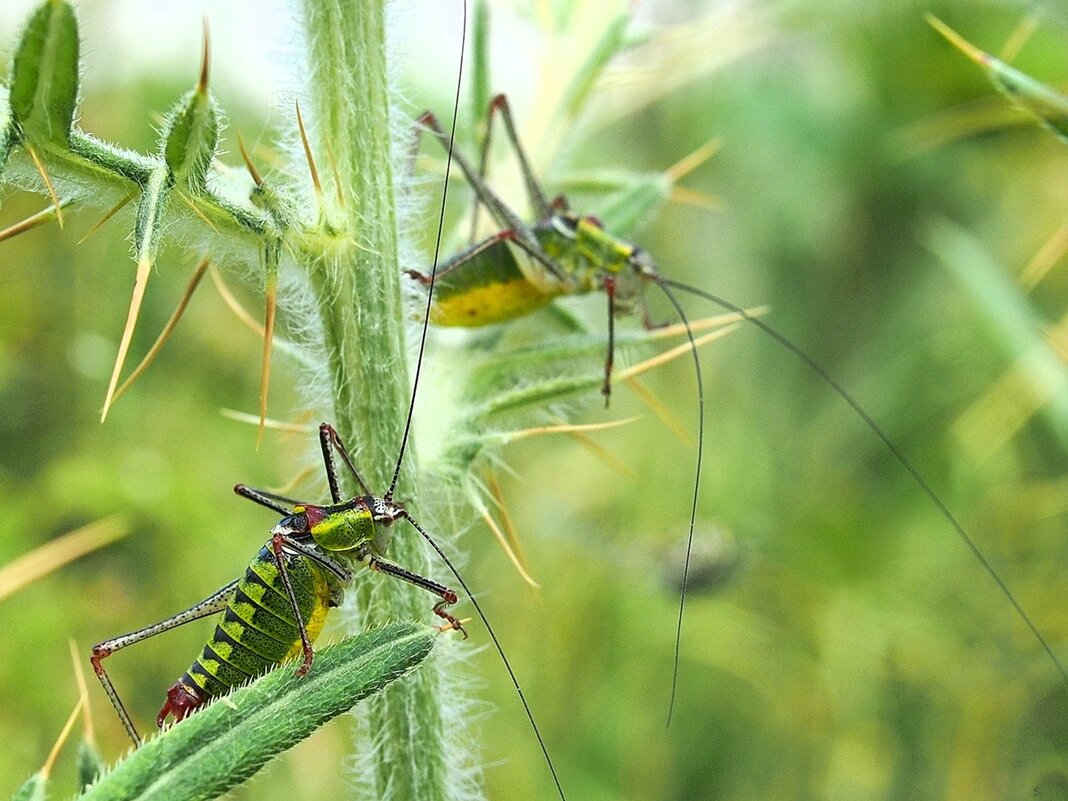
44,74
228,741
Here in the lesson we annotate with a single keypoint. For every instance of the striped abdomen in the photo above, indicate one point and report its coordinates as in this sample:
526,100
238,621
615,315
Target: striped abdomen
256,632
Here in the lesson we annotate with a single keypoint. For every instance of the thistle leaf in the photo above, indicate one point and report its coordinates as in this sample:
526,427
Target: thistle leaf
9,133
191,139
91,764
34,788
1018,326
608,45
628,209
480,66
44,74
227,742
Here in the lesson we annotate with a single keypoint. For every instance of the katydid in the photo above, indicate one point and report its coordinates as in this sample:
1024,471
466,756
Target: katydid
525,266
276,610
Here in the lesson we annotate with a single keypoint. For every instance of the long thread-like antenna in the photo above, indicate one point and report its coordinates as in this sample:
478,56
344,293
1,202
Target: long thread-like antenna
500,650
894,450
434,269
696,489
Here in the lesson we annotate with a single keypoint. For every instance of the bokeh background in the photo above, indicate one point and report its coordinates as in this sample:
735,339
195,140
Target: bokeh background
840,641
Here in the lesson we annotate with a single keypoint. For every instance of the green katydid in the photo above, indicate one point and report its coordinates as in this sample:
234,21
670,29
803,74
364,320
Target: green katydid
524,266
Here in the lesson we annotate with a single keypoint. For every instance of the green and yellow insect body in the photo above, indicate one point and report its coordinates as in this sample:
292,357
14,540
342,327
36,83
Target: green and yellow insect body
275,611
491,288
499,280
257,630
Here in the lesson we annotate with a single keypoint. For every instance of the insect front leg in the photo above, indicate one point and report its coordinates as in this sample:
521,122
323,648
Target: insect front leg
609,284
215,602
447,596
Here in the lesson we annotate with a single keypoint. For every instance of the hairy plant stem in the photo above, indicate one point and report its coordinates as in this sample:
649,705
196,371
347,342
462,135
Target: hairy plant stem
356,280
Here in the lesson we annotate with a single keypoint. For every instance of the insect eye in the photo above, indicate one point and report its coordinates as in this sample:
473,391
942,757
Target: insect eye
643,262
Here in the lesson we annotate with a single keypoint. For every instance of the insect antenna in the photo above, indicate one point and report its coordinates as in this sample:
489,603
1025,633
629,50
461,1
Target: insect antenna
661,282
894,450
434,268
408,425
497,645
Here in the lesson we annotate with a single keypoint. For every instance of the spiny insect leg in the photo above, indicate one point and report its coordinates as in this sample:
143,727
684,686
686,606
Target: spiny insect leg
448,597
329,438
609,285
215,602
268,499
534,189
505,217
278,541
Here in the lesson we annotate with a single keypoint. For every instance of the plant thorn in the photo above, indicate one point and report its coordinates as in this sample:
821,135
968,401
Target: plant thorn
107,216
248,160
40,167
308,155
172,323
205,60
958,41
144,269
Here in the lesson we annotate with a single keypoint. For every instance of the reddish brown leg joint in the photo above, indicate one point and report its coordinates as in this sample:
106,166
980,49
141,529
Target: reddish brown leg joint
180,702
454,622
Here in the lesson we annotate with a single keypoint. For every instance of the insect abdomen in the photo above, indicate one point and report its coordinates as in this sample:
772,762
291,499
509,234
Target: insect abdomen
257,630
490,288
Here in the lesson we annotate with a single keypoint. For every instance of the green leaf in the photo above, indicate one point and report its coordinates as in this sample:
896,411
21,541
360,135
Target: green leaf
642,196
228,741
9,133
480,66
1044,103
611,42
191,139
34,789
91,764
44,74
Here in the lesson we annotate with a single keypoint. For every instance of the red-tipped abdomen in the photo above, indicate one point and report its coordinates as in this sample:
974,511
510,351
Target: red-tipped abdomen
181,700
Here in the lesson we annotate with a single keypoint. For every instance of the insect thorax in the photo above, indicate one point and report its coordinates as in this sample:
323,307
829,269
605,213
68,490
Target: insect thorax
589,255
343,527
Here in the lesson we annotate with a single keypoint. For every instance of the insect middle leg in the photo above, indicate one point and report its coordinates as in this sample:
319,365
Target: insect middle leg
279,543
215,602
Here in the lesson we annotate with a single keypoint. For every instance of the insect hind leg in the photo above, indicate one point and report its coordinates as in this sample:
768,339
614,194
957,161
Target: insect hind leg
215,602
535,193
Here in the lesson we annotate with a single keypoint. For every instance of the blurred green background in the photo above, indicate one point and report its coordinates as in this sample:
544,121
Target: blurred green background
845,645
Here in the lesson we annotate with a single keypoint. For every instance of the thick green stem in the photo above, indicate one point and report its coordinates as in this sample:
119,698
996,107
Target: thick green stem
356,279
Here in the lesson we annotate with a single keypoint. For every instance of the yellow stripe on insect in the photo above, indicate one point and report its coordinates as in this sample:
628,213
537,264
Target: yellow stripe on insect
313,624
